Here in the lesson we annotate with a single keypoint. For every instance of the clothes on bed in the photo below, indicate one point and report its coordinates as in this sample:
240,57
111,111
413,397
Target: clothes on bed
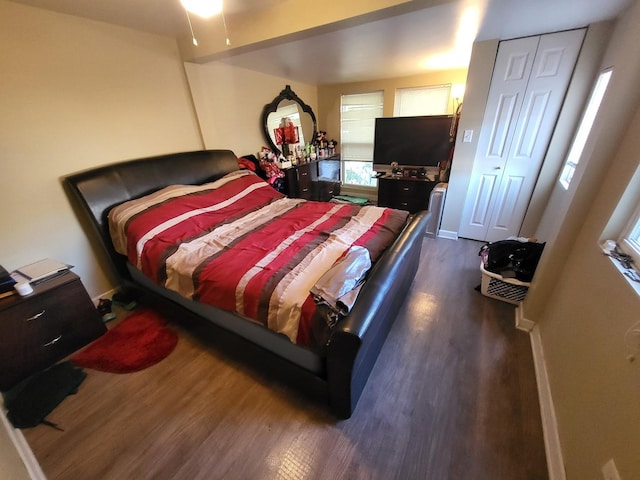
338,288
242,246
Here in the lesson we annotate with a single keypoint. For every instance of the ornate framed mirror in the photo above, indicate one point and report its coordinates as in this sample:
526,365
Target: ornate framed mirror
288,105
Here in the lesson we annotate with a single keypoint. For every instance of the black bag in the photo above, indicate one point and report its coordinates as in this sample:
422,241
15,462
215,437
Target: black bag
496,255
512,258
524,260
30,402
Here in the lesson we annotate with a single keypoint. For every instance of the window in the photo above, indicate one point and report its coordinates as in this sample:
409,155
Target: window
620,238
357,128
630,239
411,102
585,127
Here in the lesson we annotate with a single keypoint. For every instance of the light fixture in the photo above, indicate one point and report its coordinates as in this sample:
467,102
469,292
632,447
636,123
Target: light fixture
202,8
457,92
205,9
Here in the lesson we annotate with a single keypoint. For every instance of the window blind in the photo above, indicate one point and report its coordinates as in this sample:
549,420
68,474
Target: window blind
433,100
357,124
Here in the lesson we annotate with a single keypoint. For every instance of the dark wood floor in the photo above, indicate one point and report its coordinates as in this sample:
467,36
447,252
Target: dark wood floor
452,396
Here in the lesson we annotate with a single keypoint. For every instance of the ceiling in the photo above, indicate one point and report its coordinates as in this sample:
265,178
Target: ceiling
426,39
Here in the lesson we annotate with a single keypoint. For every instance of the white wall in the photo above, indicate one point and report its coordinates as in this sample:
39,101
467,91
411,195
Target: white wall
12,466
586,70
74,94
476,91
582,305
229,103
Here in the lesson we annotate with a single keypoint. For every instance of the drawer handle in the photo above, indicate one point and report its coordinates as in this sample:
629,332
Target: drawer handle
53,342
304,174
35,317
406,189
404,204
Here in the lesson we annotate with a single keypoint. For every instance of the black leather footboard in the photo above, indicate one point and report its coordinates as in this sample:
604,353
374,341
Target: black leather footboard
358,338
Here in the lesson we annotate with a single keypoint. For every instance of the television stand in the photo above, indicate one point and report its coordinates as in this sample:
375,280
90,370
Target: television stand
405,193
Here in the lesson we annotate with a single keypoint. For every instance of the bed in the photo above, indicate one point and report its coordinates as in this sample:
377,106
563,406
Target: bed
331,354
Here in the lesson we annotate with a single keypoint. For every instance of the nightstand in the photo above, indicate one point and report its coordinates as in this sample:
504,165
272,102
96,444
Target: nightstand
39,329
316,180
298,180
404,193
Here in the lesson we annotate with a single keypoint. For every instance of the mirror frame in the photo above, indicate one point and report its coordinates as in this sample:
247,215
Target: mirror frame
286,94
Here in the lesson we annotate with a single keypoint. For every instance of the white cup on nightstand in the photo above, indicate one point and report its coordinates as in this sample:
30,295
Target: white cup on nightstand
23,288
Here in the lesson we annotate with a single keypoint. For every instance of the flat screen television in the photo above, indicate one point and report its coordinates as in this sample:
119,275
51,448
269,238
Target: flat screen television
412,142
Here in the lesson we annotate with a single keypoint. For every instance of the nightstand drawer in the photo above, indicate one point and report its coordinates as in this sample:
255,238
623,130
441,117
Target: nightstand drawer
304,180
305,176
410,195
40,329
327,190
305,192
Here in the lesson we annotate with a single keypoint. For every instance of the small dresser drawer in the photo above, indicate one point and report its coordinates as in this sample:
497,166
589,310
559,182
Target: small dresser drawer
305,180
299,181
327,190
410,195
306,193
38,330
305,176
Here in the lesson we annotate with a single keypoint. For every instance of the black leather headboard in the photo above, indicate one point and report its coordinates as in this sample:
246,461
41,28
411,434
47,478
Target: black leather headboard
96,191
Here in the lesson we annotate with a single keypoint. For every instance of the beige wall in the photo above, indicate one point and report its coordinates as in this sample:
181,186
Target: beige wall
264,26
483,57
75,94
12,466
582,305
329,104
586,70
329,95
229,103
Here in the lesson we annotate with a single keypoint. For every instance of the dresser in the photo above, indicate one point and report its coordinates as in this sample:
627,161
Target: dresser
39,329
405,193
317,180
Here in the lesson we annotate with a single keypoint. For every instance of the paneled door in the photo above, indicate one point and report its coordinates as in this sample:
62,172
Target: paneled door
528,87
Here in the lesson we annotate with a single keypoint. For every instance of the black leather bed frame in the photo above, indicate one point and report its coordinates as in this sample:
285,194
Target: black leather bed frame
340,373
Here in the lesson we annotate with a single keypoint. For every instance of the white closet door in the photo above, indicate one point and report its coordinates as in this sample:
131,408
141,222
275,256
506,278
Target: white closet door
529,83
506,94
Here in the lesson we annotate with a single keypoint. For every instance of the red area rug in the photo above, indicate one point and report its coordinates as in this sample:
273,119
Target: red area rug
139,341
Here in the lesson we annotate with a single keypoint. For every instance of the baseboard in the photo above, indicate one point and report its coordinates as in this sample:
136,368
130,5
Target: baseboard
555,461
108,294
22,447
447,234
521,322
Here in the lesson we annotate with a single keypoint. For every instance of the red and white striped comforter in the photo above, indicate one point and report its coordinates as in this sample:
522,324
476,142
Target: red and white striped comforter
240,245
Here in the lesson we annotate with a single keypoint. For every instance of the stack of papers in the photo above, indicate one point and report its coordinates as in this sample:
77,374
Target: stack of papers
43,270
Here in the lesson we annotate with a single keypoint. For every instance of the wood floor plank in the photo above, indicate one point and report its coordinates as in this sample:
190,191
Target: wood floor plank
452,396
